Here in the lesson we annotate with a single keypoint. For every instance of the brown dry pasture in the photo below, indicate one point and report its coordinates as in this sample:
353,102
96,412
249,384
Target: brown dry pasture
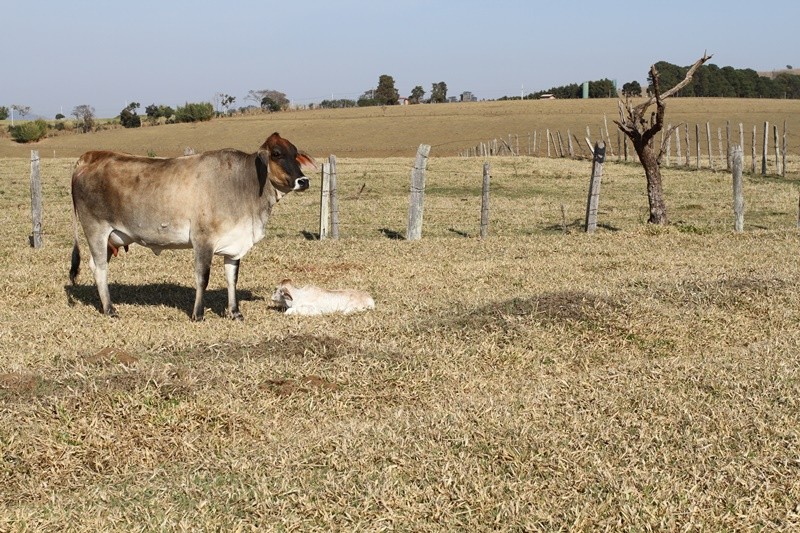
542,379
396,131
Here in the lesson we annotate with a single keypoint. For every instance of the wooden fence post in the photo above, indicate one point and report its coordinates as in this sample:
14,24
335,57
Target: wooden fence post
36,201
325,202
777,152
764,150
548,141
560,144
688,149
668,145
414,231
753,160
741,140
738,196
485,201
569,145
594,186
678,145
608,138
334,198
783,167
625,146
728,145
710,154
697,143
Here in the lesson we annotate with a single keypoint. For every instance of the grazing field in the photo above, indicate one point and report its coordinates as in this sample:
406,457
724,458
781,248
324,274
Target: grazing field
636,379
396,131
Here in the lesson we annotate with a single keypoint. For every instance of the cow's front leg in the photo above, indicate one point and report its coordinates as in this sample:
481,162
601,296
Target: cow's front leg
232,277
202,270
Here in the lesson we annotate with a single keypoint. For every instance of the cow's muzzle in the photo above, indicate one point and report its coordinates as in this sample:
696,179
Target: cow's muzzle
301,184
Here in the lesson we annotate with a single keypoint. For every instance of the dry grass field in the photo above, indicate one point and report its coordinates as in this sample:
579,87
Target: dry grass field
396,131
541,379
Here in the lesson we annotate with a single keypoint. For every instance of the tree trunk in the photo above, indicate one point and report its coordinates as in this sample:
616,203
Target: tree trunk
655,189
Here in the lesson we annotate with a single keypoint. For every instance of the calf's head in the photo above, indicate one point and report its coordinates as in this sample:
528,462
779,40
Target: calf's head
283,162
283,293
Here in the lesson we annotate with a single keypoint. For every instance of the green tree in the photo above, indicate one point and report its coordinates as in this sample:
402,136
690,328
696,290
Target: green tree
631,89
416,94
601,89
386,94
128,116
3,113
194,112
154,112
335,104
439,93
278,97
268,104
367,99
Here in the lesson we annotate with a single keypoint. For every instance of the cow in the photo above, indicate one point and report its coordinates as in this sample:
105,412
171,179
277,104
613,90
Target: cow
215,202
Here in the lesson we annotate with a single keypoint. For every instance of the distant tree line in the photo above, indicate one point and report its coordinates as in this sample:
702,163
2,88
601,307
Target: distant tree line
597,89
709,80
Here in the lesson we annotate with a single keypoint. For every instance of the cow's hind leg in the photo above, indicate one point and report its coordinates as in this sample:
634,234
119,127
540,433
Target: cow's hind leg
98,262
202,270
232,277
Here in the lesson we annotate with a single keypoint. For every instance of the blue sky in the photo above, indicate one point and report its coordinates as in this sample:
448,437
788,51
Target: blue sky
59,54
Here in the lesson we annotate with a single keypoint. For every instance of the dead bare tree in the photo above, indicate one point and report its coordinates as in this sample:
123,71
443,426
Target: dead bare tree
641,132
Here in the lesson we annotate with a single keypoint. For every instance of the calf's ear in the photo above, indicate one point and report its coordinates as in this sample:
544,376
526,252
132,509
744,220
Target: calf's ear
286,294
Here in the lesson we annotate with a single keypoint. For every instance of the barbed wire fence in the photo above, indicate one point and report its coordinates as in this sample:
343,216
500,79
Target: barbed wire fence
703,150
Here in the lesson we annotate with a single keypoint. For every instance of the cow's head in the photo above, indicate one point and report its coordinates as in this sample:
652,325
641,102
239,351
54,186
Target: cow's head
283,162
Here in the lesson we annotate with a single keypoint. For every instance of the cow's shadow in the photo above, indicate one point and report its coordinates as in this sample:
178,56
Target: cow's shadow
155,294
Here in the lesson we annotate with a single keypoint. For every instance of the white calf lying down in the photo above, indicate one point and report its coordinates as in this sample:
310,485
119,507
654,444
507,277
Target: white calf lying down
311,300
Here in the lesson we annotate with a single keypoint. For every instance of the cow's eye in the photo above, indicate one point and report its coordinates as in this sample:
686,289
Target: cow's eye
276,154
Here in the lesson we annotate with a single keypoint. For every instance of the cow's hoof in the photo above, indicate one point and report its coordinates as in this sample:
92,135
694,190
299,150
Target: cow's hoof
198,318
236,315
111,312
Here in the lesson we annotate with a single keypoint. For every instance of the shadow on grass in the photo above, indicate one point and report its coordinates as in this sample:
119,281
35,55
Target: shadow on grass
392,234
577,226
459,232
169,294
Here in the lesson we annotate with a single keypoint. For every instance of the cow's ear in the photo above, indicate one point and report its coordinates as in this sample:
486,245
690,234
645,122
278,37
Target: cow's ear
286,294
263,155
304,159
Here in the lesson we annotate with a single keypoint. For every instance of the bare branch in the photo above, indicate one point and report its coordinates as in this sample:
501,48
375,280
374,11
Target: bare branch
688,77
679,86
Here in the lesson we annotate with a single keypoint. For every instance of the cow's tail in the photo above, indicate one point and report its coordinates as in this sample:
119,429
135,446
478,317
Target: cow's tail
75,267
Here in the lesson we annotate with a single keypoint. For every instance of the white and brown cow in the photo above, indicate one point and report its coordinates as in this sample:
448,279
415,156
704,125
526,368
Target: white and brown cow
215,202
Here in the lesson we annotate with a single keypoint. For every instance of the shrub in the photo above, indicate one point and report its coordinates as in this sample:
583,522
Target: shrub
194,112
29,131
129,119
